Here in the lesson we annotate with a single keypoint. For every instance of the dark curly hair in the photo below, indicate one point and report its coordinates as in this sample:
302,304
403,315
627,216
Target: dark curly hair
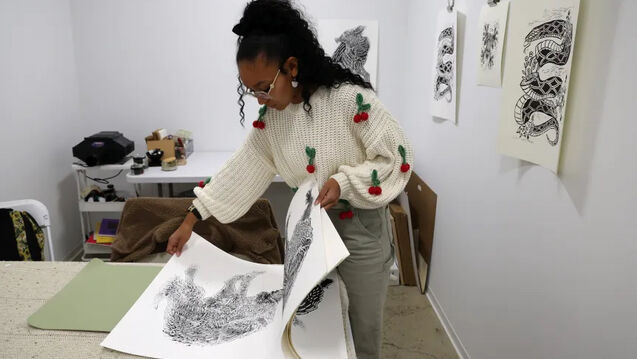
279,31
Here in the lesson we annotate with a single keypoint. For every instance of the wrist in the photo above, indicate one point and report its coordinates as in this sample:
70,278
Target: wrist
343,184
190,220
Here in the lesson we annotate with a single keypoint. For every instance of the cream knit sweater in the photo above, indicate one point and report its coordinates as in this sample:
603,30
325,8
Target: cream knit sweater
345,150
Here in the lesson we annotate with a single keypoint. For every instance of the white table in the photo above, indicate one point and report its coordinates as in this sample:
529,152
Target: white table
200,166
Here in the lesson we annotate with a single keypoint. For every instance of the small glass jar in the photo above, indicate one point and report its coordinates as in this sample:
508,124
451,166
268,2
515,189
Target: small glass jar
137,168
140,159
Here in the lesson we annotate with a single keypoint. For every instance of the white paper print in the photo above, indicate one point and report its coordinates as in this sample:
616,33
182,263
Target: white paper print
207,303
443,103
493,25
313,334
186,310
353,44
539,56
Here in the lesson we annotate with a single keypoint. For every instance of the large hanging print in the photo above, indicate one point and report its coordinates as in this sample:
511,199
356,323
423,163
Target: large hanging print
539,57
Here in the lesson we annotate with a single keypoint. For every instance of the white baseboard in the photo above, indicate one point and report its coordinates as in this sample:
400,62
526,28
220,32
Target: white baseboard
75,255
451,333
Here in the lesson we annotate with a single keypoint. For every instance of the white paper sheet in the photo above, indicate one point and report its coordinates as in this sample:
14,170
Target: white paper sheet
353,43
326,250
493,26
304,252
143,330
444,80
207,303
317,330
539,54
319,333
335,250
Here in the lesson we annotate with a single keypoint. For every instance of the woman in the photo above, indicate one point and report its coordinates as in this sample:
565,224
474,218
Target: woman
318,120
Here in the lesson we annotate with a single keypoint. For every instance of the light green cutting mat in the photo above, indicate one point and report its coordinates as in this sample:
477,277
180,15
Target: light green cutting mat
96,299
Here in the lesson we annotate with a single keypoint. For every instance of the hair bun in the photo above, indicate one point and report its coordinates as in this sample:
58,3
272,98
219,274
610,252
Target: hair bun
264,17
239,29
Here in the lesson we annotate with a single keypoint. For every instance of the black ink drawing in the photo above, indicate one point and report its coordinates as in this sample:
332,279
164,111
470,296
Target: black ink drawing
312,300
490,39
445,69
192,318
297,246
545,96
352,51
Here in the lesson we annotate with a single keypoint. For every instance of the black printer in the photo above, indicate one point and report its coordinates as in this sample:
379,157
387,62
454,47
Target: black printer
106,147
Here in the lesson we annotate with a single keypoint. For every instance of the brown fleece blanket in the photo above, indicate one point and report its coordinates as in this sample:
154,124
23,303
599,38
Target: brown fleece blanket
146,224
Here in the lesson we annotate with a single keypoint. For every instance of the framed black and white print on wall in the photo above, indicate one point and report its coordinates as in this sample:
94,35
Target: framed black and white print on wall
536,79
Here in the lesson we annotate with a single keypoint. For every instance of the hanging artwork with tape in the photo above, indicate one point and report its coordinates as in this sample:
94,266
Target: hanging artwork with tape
493,25
443,101
539,57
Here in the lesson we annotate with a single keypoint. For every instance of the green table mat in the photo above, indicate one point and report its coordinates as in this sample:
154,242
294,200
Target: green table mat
96,299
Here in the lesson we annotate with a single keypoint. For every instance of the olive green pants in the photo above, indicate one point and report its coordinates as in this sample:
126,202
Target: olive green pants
365,272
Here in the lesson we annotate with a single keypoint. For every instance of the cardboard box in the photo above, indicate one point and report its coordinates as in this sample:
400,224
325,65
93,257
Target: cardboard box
168,146
422,212
402,245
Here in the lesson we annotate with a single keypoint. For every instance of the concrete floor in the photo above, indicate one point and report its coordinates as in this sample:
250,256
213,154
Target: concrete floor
412,329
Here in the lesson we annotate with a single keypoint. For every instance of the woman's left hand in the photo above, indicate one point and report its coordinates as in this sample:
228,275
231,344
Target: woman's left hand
329,195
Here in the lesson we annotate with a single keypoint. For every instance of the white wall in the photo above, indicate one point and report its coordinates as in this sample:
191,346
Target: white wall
143,65
527,264
39,111
139,65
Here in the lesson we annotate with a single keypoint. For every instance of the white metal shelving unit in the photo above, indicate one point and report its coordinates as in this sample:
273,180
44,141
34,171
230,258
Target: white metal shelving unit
93,250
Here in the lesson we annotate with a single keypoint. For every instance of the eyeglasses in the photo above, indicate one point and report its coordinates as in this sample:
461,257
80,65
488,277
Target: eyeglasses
263,94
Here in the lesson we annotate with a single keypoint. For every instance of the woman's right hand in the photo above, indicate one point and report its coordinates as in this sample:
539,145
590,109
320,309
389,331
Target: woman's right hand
178,239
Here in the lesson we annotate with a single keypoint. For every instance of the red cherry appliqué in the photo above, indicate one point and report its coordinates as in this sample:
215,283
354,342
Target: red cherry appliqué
405,167
362,108
346,215
259,123
311,154
375,189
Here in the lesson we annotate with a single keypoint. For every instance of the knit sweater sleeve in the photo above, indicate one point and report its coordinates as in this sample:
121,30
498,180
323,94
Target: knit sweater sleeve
239,183
381,137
